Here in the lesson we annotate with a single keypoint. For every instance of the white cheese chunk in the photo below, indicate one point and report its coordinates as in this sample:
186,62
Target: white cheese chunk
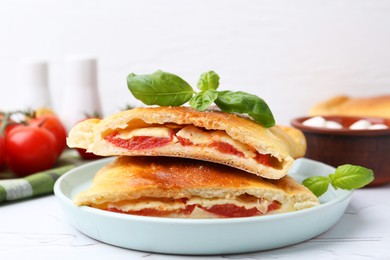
194,134
202,214
200,137
317,121
333,125
378,126
360,125
238,146
162,132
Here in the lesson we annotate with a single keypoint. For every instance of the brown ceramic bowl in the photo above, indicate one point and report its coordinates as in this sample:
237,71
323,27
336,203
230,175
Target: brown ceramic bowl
368,148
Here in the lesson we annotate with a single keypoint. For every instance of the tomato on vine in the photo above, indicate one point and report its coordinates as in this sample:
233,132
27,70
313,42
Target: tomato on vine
53,125
30,141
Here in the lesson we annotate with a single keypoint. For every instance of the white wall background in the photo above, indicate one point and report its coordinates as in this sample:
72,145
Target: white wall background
291,53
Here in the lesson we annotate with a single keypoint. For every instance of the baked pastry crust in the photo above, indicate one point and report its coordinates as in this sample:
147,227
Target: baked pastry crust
131,179
282,143
378,106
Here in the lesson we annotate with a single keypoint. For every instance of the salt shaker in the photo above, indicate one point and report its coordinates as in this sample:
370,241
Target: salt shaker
80,95
33,86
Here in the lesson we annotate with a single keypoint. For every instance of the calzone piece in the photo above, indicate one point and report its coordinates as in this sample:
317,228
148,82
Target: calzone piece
184,132
186,188
375,106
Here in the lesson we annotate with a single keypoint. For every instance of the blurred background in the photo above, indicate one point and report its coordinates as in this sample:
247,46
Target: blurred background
293,54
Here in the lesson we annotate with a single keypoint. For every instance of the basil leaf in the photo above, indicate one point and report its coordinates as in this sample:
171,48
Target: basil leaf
350,177
317,184
160,88
242,102
202,100
208,80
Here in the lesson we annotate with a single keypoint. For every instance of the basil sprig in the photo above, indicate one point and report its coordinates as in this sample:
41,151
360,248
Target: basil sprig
167,89
346,177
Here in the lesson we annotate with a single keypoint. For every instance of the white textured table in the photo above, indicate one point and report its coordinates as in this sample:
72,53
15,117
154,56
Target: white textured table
37,229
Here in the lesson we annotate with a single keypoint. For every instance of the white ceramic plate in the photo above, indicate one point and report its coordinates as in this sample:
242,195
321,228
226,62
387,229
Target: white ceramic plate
202,236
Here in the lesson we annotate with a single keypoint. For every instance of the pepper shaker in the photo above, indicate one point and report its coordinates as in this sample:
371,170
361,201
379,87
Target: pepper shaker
80,93
33,86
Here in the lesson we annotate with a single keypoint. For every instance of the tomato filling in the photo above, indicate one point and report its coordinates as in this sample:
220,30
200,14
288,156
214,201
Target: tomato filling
222,210
148,142
184,141
155,212
226,148
263,159
138,142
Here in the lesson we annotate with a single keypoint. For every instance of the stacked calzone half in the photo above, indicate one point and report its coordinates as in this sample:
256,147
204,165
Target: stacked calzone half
213,136
186,188
179,162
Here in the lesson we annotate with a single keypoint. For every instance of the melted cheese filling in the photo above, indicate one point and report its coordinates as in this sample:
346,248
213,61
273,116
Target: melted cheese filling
160,132
165,204
197,137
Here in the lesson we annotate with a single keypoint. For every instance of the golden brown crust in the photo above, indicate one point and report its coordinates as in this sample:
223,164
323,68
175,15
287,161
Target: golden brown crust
293,137
283,143
378,106
86,127
130,178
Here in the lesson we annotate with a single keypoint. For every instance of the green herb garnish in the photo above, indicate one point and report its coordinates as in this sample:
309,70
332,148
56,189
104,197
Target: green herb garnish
160,88
346,177
167,89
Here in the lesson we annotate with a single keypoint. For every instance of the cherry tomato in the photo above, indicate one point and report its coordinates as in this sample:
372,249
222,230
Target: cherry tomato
55,126
30,149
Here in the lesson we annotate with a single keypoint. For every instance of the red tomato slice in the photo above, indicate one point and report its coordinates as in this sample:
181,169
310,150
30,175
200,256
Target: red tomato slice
232,211
184,141
263,159
155,212
226,148
223,210
138,142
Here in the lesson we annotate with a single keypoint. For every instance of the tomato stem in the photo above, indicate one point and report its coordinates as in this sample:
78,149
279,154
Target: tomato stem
6,119
42,123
